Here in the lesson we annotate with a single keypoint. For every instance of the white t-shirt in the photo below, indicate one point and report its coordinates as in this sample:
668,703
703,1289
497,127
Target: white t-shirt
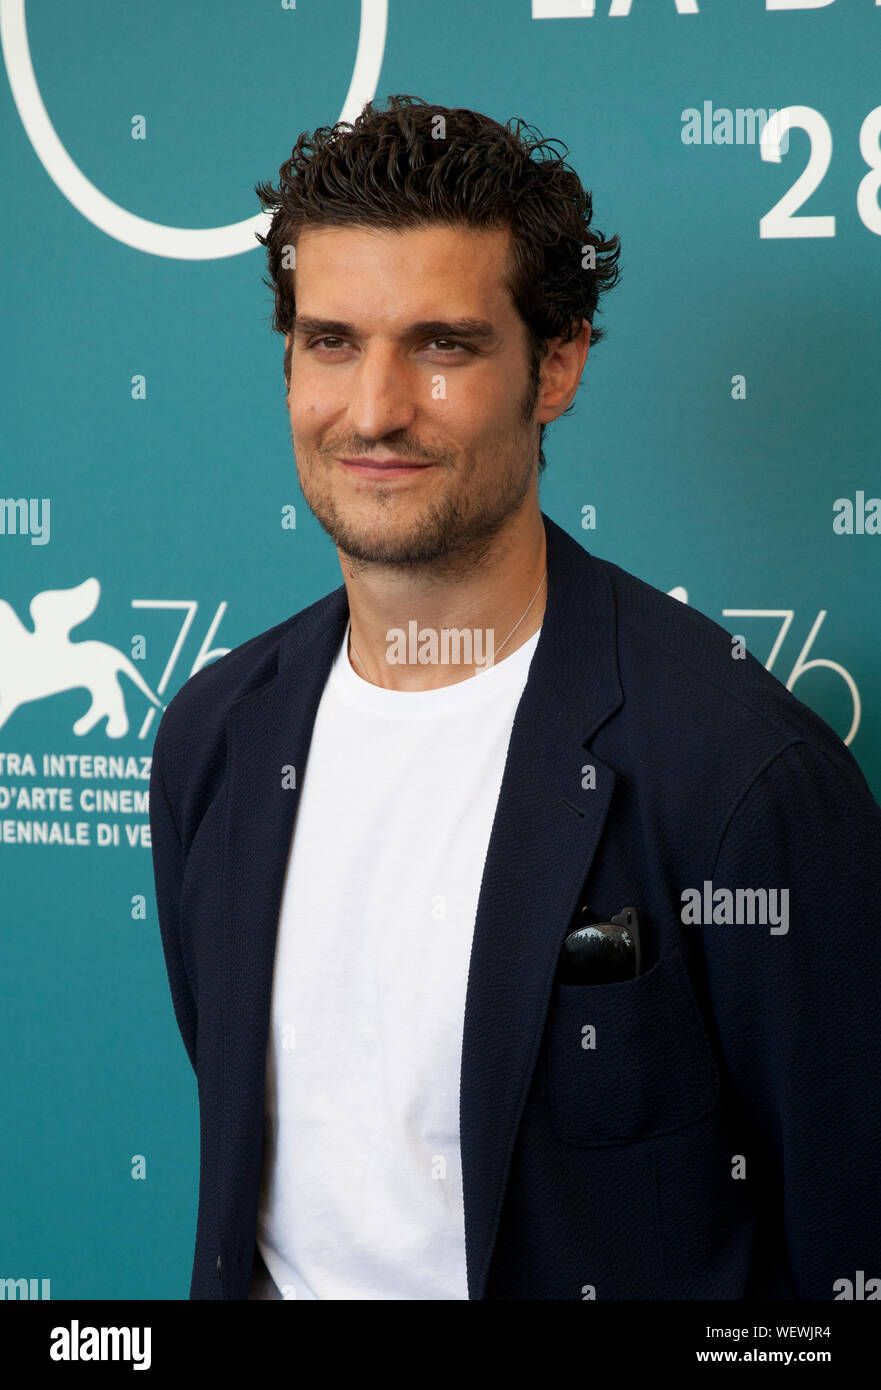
361,1192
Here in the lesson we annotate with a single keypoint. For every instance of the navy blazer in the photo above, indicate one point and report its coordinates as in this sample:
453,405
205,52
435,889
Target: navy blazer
722,1138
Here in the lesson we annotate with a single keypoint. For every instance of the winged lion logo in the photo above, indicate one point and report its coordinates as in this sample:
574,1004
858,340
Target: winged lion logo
45,661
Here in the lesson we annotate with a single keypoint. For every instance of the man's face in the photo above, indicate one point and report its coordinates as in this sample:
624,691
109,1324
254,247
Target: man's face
383,388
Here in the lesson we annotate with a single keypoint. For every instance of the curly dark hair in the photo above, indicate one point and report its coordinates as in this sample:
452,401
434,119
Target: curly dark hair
416,164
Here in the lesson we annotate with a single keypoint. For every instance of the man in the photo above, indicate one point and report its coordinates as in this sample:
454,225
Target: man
376,824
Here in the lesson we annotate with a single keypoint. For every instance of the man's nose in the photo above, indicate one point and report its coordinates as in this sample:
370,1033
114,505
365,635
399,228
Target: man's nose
383,393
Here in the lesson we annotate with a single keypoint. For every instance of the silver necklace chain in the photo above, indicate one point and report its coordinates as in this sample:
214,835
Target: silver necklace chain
354,650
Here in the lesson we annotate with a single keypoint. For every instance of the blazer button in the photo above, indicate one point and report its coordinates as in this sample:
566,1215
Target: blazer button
219,1275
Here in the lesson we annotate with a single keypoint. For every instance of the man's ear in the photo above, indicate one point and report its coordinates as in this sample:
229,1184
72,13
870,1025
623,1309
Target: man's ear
561,373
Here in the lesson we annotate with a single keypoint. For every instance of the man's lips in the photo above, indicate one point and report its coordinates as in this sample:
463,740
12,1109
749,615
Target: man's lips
379,468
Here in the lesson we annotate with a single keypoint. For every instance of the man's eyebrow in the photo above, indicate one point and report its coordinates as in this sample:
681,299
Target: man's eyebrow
475,330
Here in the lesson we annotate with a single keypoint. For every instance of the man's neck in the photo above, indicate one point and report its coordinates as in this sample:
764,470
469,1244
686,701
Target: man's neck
462,625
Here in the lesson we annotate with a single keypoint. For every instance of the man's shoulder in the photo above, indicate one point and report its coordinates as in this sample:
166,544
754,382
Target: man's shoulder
194,722
678,664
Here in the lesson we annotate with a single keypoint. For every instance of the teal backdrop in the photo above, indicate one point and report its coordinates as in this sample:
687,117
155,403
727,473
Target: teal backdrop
732,405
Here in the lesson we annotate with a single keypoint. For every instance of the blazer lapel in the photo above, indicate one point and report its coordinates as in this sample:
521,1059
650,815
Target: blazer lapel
543,840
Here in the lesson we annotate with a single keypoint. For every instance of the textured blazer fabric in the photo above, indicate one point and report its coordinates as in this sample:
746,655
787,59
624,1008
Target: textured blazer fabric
710,1129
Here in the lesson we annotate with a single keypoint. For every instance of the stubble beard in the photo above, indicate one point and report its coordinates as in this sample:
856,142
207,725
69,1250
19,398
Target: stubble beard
442,533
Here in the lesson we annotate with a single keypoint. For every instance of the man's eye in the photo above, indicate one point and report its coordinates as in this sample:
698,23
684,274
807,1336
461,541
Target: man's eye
316,342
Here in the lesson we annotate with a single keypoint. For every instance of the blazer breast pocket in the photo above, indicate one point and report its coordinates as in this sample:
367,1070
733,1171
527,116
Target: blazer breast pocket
628,1061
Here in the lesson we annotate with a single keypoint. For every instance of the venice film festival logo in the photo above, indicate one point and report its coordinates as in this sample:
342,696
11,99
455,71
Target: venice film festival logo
52,796
35,665
45,662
